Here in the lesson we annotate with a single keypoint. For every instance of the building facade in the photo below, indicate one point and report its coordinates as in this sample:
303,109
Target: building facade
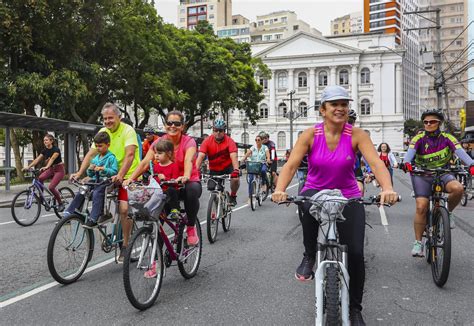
388,16
239,31
307,63
454,16
348,24
217,12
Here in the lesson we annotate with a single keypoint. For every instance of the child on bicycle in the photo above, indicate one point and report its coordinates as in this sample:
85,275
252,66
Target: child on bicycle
103,165
164,169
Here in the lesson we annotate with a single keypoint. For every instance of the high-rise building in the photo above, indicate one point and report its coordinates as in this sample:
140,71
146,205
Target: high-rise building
388,16
239,31
454,54
348,24
217,12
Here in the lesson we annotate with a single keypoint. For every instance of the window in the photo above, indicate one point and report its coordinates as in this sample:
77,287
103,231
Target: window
202,9
323,78
278,36
336,26
264,111
263,82
267,37
303,108
211,7
182,11
296,27
336,33
459,42
192,10
302,80
211,16
284,19
365,76
202,17
192,20
282,80
365,107
281,142
343,77
282,108
182,20
245,138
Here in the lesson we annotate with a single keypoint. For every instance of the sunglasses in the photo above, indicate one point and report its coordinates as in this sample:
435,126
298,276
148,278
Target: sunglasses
258,139
430,122
219,130
174,123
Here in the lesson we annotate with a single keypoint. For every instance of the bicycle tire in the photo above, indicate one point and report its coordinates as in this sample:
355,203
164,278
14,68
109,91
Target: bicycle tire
75,229
212,224
67,196
253,195
17,202
331,297
464,199
227,216
440,270
183,264
133,273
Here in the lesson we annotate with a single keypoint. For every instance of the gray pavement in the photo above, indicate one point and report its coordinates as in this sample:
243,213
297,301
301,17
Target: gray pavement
246,277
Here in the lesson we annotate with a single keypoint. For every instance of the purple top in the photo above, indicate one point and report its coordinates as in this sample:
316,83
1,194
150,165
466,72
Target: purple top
332,169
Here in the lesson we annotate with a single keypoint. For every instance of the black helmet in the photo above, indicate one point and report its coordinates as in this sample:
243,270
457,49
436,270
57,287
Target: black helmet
352,114
435,112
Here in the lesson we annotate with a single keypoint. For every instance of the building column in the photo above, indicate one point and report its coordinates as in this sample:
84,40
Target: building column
398,89
377,109
355,88
332,76
291,80
271,89
312,91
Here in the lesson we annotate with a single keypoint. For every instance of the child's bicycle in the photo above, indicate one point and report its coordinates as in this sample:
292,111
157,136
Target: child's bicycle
71,245
144,261
26,205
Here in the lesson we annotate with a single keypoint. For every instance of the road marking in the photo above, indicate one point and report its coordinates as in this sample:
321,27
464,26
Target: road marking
383,218
3,223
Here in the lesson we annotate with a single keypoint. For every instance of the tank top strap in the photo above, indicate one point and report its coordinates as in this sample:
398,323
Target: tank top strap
347,130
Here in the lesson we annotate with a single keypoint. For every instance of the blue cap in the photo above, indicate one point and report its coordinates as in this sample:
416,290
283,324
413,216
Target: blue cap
334,93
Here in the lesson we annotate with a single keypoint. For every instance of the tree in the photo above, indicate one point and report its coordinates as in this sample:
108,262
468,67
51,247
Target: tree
411,127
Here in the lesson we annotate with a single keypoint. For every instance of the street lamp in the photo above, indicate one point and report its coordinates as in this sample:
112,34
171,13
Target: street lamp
245,125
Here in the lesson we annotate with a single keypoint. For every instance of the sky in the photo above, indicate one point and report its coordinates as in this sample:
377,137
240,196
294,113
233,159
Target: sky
317,13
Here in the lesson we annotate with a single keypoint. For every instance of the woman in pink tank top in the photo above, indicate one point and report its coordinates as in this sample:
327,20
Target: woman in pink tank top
331,147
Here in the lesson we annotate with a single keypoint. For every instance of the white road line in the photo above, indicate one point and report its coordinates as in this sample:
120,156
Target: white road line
3,223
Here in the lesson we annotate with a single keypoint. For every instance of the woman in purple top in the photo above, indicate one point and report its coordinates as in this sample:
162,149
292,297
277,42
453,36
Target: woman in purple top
331,147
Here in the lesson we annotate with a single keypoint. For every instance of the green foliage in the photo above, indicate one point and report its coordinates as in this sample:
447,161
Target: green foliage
411,127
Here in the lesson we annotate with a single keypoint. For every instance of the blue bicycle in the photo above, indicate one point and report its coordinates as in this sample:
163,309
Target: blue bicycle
26,205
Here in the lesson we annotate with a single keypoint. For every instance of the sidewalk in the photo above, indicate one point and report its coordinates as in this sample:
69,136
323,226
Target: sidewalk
6,197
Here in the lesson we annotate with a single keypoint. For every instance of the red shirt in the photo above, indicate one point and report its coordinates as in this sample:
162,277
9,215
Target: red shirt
218,154
170,172
146,145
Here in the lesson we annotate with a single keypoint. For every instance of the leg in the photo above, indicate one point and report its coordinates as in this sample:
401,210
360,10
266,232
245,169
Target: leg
45,175
250,179
76,203
98,197
455,191
192,192
352,234
234,186
127,223
310,226
174,198
58,175
264,175
422,204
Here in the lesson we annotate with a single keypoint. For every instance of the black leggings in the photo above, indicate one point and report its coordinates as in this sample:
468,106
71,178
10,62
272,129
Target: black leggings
351,233
190,195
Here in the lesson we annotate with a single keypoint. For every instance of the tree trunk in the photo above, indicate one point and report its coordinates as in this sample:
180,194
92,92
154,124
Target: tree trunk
17,154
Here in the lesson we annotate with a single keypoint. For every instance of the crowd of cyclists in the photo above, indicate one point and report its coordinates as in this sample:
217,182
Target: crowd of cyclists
334,144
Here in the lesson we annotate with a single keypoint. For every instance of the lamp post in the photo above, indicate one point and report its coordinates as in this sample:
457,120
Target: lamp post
245,125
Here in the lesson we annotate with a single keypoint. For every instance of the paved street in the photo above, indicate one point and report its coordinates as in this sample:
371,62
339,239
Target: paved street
245,278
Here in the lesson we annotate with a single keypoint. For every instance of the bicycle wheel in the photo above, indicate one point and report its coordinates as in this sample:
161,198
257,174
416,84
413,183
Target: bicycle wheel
212,218
253,195
142,277
264,194
67,196
227,213
464,199
26,208
331,296
190,256
70,249
440,253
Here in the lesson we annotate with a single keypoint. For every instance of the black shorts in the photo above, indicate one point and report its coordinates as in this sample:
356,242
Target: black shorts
273,166
227,170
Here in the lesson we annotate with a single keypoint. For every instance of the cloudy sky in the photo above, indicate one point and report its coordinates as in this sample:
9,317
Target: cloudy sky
318,13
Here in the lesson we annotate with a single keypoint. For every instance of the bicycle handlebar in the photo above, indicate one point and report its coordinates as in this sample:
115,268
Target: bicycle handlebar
107,181
223,176
372,200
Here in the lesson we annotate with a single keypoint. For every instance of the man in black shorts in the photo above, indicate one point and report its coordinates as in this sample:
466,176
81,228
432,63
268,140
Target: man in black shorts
273,155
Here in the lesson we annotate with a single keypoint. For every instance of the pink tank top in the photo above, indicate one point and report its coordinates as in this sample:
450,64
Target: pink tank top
332,169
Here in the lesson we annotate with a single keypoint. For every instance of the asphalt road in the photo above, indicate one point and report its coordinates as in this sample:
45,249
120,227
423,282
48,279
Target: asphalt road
245,278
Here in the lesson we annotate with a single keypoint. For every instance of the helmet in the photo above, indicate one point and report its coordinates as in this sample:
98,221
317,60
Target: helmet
219,124
149,130
264,134
352,114
435,112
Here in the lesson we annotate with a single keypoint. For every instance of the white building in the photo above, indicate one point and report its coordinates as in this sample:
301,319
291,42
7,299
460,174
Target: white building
217,12
348,24
239,31
308,63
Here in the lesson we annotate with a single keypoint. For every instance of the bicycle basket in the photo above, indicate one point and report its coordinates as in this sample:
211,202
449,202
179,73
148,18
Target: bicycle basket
254,167
146,202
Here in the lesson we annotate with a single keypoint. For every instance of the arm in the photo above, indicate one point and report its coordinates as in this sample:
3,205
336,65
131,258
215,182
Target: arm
50,161
464,157
35,161
235,160
249,153
111,168
142,167
85,163
393,160
267,154
199,160
188,164
409,156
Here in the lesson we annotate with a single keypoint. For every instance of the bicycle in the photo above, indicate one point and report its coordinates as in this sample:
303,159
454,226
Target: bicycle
145,252
331,276
218,208
71,246
437,235
26,205
465,178
256,195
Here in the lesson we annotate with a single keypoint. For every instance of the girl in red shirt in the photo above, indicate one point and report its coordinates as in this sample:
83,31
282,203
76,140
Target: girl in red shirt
165,169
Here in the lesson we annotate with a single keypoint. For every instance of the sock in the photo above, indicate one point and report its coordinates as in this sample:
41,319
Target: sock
233,194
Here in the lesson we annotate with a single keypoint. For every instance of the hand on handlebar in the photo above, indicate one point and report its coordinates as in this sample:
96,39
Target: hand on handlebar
406,167
127,182
279,196
235,174
388,197
183,179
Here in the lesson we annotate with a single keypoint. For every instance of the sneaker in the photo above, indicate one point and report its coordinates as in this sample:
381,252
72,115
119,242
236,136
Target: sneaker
121,255
452,217
192,236
89,224
417,250
233,200
66,214
60,207
304,272
355,317
151,273
104,218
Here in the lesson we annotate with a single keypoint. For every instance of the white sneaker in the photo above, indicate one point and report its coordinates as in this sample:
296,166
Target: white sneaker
417,250
452,217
